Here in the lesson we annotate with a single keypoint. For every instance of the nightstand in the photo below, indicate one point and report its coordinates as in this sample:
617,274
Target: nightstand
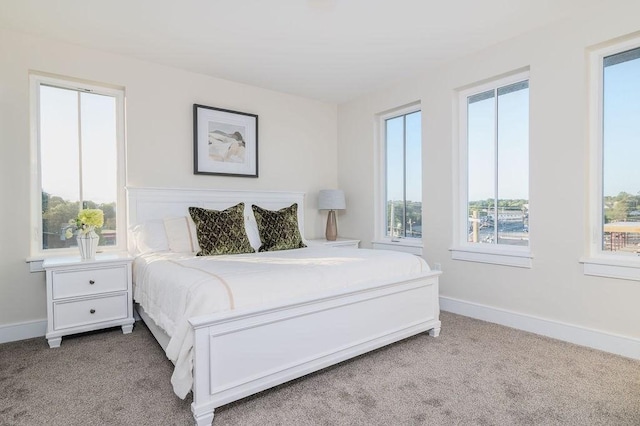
85,295
340,242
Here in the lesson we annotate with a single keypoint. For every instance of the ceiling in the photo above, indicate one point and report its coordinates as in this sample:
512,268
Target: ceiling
330,50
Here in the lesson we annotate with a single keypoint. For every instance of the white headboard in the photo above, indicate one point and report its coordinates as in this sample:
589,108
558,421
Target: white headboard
156,203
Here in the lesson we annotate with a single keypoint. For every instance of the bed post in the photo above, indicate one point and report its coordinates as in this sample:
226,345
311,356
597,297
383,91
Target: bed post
435,331
205,419
201,407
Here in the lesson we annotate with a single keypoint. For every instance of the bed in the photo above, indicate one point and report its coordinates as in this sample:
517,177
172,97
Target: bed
239,324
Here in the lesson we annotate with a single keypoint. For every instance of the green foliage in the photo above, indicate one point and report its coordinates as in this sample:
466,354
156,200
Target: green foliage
45,201
56,213
618,208
489,203
404,223
485,207
109,210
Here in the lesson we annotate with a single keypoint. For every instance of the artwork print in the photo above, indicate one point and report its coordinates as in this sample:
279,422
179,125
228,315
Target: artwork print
225,142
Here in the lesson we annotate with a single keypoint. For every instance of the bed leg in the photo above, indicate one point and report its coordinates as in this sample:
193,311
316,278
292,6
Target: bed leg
434,332
203,419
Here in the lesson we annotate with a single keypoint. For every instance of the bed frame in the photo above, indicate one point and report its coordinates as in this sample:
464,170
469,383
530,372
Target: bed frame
242,352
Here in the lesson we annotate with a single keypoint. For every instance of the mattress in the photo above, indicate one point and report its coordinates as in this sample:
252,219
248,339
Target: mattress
173,287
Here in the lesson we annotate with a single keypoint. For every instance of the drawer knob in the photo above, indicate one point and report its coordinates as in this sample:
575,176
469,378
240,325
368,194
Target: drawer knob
92,282
92,311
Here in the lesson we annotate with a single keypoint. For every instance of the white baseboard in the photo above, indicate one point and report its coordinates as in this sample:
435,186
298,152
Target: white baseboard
21,331
621,345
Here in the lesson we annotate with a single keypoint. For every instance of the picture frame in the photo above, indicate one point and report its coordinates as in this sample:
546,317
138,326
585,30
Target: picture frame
225,142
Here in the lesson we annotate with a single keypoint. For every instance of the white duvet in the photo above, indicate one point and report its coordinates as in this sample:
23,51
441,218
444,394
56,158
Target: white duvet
173,287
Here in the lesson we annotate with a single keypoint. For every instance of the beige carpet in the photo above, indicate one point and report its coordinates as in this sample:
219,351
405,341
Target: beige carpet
475,373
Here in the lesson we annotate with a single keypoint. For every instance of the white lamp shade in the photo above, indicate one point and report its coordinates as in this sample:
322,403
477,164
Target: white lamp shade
331,199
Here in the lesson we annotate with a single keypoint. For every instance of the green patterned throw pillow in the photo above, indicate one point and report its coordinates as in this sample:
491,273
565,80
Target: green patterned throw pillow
278,229
221,231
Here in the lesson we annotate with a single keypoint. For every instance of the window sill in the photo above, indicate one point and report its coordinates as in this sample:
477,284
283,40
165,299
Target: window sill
624,268
519,259
413,247
35,264
35,261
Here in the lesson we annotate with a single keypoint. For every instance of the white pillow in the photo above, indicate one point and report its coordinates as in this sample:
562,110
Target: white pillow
251,228
181,234
148,237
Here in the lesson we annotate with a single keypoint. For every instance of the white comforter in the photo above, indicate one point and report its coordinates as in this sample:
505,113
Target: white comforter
173,287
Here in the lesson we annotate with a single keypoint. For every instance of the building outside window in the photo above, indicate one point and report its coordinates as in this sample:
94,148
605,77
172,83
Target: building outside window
493,193
402,138
78,157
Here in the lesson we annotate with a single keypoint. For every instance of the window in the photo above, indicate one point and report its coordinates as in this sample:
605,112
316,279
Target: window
620,152
78,161
402,177
494,171
614,173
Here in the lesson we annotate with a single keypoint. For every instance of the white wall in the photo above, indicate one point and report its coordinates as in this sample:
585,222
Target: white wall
555,288
297,143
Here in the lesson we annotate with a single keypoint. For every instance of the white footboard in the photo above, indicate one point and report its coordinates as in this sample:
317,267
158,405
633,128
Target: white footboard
246,352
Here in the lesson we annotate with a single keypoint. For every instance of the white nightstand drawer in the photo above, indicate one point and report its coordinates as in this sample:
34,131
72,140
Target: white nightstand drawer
88,281
89,311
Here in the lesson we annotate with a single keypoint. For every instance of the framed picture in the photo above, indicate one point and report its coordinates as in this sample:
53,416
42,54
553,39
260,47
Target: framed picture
225,142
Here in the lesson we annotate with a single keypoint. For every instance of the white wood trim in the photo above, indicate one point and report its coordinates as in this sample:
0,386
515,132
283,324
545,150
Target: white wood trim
596,339
398,246
402,241
156,203
339,242
35,213
22,330
121,211
517,258
595,152
626,268
35,265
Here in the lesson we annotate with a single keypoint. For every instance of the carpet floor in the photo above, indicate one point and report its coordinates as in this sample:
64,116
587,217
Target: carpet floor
475,373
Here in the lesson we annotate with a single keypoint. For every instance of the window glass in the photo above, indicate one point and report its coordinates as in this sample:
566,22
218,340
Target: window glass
481,167
403,200
620,152
78,161
395,179
498,165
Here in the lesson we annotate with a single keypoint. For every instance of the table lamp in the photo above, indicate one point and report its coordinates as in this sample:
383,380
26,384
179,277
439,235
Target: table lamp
331,199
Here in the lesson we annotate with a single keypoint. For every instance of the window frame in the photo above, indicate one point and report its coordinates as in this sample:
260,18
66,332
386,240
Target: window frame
598,262
499,254
380,197
35,81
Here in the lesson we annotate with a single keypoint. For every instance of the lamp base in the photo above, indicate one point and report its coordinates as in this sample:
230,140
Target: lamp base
332,229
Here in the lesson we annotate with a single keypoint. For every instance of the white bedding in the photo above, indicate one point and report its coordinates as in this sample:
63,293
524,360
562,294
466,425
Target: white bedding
173,287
